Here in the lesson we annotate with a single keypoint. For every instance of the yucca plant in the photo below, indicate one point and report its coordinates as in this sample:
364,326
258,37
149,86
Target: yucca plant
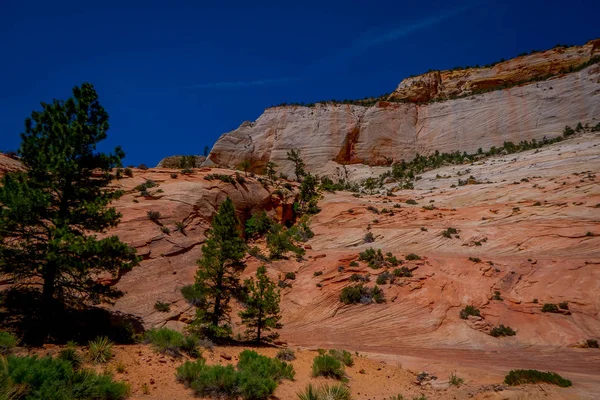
100,350
325,392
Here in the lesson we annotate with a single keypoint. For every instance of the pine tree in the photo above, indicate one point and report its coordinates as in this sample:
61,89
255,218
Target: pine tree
219,268
262,312
270,170
48,213
299,167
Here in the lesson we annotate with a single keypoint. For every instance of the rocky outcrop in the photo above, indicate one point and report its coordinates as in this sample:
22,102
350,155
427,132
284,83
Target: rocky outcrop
331,135
9,164
181,162
439,85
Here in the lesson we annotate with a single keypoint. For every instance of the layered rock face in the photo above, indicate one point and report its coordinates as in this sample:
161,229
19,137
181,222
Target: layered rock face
9,164
330,135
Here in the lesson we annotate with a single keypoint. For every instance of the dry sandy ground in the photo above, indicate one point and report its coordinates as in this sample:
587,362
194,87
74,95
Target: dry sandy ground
152,377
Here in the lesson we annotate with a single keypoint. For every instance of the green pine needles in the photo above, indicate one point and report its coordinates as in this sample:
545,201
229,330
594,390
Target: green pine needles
50,213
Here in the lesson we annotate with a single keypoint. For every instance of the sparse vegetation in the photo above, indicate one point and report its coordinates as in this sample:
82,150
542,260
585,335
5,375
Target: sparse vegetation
100,350
290,275
475,259
219,177
161,306
591,343
8,341
455,380
369,237
469,310
361,294
344,356
501,330
550,307
412,257
154,216
259,224
286,355
172,343
325,392
531,376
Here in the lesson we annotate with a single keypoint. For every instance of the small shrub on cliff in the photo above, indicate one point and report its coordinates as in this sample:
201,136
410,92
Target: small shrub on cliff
361,294
563,305
449,232
568,131
402,272
174,175
258,224
411,201
369,237
161,306
128,172
502,330
469,310
286,355
412,257
529,376
550,307
154,216
290,275
280,242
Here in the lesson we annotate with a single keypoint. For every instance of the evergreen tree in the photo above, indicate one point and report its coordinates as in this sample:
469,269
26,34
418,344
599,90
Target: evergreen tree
270,170
262,312
206,151
299,167
219,268
48,213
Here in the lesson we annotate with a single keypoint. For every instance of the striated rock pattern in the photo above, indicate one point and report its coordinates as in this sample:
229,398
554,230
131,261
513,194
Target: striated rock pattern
330,135
9,164
437,85
175,161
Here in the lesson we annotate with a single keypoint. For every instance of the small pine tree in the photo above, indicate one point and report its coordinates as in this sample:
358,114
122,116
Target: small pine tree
262,313
48,213
270,170
219,268
206,150
299,167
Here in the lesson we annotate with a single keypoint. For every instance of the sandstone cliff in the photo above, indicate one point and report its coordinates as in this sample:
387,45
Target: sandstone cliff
330,135
178,161
9,164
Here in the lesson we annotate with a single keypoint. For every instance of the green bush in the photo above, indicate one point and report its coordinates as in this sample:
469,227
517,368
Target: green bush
286,355
526,376
256,377
161,306
412,257
563,305
402,272
54,379
168,341
469,310
7,342
502,330
290,275
455,380
325,392
71,355
258,225
153,216
128,172
591,343
411,201
549,307
342,355
100,350
327,366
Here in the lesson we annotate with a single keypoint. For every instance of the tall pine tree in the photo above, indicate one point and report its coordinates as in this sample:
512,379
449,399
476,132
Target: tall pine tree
262,312
50,212
219,269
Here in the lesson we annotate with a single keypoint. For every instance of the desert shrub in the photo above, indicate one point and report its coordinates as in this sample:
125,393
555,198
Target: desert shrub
256,377
411,201
8,341
100,350
280,242
475,259
318,273
377,295
344,356
455,380
53,378
186,171
549,307
170,342
354,264
369,237
154,216
412,257
286,355
162,307
591,343
568,131
502,330
174,175
384,277
71,355
165,230
290,275
402,272
497,296
146,185
527,376
193,295
373,209
301,232
373,257
469,310
327,366
128,172
359,278
361,294
220,177
563,305
449,232
325,392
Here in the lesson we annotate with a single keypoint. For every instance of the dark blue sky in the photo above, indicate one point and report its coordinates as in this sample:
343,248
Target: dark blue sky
175,75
